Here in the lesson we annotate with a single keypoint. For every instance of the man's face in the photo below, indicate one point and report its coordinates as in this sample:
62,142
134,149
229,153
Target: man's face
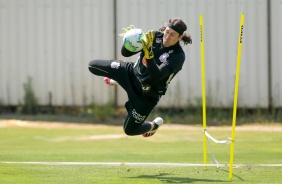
170,37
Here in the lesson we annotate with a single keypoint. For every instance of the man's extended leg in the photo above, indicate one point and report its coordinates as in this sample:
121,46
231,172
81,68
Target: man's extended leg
135,123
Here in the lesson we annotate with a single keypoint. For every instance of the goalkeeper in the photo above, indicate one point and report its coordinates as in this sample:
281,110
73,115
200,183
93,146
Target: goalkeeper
147,79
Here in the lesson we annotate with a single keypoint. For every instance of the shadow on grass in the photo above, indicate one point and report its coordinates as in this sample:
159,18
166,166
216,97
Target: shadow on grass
163,177
233,175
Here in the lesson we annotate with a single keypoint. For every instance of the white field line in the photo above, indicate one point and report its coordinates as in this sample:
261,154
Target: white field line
143,164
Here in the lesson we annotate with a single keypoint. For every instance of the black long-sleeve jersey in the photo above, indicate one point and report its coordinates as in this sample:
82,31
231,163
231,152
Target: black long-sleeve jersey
155,74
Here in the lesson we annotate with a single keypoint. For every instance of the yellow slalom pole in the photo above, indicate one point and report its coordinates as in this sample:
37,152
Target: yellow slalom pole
203,87
236,95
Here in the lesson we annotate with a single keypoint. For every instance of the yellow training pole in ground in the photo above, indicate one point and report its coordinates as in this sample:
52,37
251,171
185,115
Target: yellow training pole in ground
203,87
236,95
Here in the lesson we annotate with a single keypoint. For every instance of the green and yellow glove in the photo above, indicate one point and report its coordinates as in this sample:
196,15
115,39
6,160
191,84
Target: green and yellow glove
147,40
125,30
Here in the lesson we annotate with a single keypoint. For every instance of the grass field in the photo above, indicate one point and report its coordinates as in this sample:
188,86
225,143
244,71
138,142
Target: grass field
70,153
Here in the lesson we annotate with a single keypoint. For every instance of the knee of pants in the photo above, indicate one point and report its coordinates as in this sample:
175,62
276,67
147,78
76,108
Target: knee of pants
130,126
92,66
129,132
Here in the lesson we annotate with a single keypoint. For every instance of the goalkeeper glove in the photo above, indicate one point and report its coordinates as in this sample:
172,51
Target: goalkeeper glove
125,30
147,39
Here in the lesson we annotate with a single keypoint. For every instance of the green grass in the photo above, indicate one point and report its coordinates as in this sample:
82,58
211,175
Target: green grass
169,145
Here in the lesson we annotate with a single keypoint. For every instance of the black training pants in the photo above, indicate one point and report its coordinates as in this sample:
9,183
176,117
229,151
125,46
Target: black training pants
138,106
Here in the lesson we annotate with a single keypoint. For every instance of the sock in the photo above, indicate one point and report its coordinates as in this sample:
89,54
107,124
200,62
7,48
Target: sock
156,126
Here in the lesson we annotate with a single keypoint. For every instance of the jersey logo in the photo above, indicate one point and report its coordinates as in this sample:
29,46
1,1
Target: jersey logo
146,88
159,40
163,57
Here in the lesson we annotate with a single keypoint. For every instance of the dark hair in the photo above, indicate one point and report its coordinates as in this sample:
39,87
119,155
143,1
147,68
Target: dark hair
180,26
